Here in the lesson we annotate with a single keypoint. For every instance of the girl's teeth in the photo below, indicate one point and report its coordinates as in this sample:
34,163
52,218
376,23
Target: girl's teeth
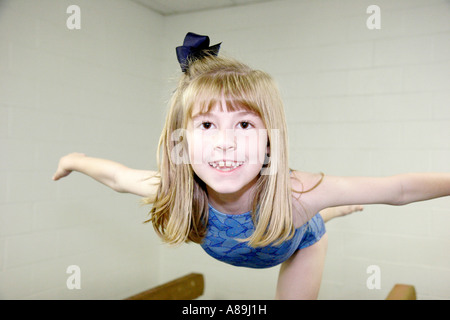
225,165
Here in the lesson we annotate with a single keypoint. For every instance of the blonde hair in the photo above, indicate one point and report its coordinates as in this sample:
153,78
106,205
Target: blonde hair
180,208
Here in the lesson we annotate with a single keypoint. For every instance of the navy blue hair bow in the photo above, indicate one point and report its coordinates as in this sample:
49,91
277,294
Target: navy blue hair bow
195,47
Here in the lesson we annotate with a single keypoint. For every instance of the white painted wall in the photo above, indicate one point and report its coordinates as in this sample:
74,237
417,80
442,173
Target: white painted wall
358,102
94,90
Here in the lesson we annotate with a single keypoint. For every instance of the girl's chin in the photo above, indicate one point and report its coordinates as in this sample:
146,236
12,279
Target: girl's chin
229,187
224,190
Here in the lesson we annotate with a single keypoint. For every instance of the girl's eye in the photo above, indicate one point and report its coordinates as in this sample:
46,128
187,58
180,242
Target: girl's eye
245,125
206,125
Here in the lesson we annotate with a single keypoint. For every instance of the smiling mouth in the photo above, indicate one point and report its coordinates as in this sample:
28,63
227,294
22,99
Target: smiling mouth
226,165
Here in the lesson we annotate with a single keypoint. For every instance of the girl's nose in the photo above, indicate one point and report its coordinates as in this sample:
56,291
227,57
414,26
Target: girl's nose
225,140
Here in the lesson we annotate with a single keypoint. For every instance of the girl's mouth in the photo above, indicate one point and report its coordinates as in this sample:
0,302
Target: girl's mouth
226,165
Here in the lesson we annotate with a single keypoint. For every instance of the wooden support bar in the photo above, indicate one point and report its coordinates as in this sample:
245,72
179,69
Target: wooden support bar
402,292
187,287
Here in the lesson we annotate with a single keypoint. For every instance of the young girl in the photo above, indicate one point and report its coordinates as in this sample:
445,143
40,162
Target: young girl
223,179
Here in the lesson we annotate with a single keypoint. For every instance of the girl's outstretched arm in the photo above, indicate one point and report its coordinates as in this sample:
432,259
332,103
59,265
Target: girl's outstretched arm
395,190
112,174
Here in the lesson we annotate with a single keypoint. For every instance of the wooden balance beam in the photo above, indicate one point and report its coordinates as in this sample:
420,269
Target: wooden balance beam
191,286
402,292
188,287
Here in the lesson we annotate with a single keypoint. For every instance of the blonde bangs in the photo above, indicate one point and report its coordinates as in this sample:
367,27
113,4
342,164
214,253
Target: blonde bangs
227,90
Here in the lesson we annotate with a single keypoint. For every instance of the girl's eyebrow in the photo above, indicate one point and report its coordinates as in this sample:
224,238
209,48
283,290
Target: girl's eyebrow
200,114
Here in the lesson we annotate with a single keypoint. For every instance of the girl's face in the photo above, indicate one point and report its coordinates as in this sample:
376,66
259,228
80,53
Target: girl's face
227,149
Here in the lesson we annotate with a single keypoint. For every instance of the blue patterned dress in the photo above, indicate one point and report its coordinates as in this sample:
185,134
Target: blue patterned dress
223,230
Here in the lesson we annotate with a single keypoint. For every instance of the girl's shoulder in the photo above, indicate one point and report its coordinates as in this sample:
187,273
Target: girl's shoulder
303,203
302,182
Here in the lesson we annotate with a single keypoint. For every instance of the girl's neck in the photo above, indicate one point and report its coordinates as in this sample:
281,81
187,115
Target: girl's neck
232,203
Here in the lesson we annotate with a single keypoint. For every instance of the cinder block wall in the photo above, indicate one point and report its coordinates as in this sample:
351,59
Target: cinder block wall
95,90
358,102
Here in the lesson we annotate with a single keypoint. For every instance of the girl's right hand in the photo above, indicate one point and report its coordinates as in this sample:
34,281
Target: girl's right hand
64,166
